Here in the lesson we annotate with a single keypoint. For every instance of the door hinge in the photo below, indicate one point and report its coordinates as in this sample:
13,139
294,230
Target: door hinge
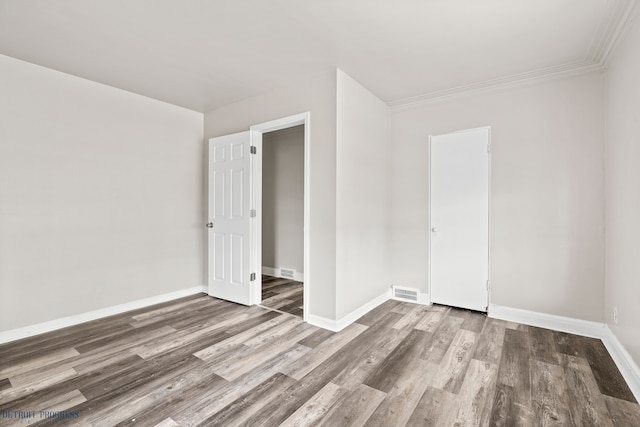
252,213
488,284
488,148
252,277
253,149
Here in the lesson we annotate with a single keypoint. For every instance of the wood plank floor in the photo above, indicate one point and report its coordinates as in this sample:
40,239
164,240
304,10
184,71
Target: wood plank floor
282,294
202,361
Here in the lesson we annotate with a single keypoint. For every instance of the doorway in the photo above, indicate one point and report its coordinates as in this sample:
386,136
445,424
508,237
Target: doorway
234,224
459,219
283,220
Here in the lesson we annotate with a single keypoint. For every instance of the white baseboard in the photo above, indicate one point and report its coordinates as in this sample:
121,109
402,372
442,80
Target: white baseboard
340,324
549,321
52,325
628,368
623,360
275,272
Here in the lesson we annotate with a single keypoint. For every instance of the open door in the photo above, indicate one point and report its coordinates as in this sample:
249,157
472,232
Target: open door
230,214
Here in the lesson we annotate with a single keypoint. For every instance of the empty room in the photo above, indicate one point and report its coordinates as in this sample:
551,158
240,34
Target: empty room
336,213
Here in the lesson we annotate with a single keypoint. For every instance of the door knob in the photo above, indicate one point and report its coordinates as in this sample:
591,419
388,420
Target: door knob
209,225
434,229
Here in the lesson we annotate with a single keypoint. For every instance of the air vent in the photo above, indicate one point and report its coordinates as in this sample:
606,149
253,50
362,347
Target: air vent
406,294
287,273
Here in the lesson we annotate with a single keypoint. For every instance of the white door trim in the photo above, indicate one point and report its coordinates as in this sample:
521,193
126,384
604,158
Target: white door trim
488,128
256,135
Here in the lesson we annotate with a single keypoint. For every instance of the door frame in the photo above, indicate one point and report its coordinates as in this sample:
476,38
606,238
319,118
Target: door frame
489,148
256,189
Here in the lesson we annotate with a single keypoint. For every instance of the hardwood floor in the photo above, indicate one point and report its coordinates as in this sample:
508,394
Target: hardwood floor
282,294
202,361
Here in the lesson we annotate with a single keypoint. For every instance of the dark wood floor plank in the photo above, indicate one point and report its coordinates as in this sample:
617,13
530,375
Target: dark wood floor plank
401,401
506,411
377,313
586,403
568,344
543,345
430,408
609,379
259,398
385,375
322,352
316,338
512,402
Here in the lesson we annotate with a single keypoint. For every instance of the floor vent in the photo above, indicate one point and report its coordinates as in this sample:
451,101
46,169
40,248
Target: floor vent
287,273
406,294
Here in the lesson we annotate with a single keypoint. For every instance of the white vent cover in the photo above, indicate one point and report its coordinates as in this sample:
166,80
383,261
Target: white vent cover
287,273
406,294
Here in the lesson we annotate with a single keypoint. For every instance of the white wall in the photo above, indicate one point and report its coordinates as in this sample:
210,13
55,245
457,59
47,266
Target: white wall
283,199
316,94
547,192
623,194
362,206
101,196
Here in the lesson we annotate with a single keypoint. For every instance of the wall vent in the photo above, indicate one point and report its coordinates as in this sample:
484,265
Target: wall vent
406,294
287,273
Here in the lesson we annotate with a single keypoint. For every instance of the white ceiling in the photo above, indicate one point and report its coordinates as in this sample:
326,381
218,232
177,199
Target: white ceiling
202,54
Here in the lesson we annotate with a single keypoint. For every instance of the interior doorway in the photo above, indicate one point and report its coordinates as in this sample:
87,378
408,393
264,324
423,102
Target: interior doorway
283,220
291,127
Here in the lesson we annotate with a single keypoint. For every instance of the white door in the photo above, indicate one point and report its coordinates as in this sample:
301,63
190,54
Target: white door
229,218
459,219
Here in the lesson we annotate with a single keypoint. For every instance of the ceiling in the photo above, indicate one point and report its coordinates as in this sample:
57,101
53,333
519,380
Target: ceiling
203,54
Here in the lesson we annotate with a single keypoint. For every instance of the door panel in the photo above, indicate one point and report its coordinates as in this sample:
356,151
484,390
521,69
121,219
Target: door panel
229,204
459,219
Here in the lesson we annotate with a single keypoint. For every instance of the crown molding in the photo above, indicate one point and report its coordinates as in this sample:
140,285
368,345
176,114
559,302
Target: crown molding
515,80
618,16
615,24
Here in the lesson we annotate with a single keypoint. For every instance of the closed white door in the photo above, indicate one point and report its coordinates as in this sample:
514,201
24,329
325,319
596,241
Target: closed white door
229,218
459,219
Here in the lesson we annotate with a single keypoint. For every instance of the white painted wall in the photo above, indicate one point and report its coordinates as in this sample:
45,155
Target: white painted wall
622,107
547,192
316,94
283,199
101,196
362,195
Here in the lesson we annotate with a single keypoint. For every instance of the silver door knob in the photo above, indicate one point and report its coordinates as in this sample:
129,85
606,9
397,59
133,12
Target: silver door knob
209,225
434,229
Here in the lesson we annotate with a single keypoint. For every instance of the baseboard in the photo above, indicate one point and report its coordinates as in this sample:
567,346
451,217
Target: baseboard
340,324
52,325
549,321
628,367
623,360
275,272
